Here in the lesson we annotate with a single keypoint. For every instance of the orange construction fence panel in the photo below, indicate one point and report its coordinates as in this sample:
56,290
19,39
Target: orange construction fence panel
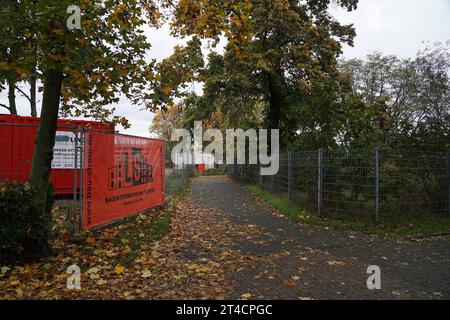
122,175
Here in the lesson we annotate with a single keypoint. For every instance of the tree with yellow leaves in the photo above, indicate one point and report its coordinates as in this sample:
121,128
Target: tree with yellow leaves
82,70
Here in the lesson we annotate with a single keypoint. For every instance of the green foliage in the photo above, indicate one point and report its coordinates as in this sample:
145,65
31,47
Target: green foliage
218,170
174,75
178,181
283,204
392,225
101,61
402,102
245,173
24,230
280,63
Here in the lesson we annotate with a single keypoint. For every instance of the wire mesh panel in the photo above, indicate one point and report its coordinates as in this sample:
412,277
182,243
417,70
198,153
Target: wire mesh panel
279,182
414,182
305,178
244,173
369,183
16,156
348,182
176,179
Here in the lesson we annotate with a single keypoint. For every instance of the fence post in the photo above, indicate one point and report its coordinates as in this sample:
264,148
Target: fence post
81,147
377,185
75,183
320,181
260,176
289,174
271,182
448,180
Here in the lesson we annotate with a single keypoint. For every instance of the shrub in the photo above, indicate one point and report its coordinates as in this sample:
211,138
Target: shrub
24,230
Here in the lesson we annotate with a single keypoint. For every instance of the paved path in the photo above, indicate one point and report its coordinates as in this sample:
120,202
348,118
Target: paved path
295,261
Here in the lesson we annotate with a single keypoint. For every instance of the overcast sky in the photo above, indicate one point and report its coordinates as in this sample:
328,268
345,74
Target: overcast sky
389,26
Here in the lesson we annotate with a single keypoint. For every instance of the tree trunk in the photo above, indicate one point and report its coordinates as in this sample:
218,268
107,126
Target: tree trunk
274,114
45,138
277,98
33,96
12,96
275,102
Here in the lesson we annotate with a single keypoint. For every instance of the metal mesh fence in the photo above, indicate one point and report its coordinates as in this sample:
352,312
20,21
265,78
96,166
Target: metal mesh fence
358,182
176,179
414,181
16,154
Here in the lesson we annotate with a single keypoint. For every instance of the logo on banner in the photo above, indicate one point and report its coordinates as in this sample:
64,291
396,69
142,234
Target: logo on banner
124,176
131,170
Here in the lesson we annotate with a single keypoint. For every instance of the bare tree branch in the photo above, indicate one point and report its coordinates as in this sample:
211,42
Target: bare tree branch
4,106
23,93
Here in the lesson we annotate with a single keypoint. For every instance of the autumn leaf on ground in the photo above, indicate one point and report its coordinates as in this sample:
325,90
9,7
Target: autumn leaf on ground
111,253
119,269
336,263
146,274
93,273
93,270
4,269
192,266
246,296
90,240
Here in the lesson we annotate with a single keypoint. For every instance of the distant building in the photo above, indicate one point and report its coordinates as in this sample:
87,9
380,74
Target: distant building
206,159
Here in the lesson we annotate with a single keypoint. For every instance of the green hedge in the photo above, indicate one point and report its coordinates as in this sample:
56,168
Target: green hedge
24,230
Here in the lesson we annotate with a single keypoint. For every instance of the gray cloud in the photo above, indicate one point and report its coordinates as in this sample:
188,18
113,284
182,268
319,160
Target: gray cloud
396,27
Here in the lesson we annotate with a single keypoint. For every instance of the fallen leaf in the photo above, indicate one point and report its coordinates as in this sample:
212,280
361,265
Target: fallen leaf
119,270
90,240
93,270
336,263
146,274
246,296
5,269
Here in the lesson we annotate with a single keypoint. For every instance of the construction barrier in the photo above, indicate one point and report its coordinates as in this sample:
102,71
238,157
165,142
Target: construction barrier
121,175
17,134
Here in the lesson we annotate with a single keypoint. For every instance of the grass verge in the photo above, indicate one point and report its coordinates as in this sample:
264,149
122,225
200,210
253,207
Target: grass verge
392,226
176,186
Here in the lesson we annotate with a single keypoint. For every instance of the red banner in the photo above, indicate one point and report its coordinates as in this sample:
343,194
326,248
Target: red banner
122,175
